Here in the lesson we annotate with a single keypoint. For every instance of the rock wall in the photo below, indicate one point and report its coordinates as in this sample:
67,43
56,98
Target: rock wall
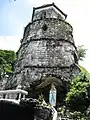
45,52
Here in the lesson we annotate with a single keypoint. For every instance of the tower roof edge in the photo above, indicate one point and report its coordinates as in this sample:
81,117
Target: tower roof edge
49,5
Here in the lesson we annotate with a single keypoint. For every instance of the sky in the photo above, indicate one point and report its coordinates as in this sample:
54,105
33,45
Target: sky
15,15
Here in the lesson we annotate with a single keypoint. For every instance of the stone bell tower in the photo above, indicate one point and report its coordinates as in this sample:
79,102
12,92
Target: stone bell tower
47,48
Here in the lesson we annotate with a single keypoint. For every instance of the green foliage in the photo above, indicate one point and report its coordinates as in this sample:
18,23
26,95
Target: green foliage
64,112
7,57
41,97
78,97
81,52
83,70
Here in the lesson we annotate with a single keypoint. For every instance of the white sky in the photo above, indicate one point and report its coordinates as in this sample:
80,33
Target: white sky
78,17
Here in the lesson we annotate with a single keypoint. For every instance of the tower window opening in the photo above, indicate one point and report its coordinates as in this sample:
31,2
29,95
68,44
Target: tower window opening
44,27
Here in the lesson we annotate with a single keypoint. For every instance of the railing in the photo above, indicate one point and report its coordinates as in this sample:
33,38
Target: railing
63,118
13,94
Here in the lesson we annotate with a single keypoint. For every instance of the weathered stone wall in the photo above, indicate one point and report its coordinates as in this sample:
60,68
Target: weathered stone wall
45,57
45,51
56,29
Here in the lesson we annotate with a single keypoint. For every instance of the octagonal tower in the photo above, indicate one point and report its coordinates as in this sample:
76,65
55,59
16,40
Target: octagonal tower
47,48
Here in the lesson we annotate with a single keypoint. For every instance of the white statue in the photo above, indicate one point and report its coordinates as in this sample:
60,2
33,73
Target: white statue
52,95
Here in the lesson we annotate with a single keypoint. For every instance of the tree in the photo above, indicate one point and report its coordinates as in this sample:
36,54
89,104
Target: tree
78,97
7,57
81,52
